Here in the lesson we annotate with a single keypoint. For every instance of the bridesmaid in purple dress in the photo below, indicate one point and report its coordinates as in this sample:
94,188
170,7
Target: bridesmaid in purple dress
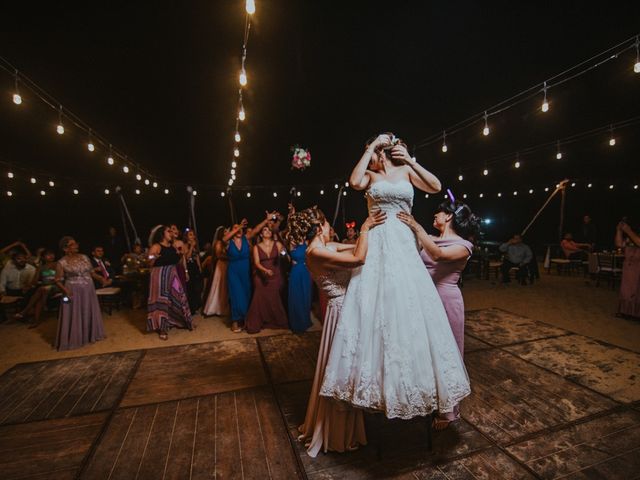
266,309
445,257
79,318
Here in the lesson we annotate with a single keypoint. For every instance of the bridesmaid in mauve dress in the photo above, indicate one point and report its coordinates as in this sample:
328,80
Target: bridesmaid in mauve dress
267,310
330,425
446,257
79,317
299,299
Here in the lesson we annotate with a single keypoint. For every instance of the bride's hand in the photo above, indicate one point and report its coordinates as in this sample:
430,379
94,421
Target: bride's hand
408,220
399,152
377,218
380,141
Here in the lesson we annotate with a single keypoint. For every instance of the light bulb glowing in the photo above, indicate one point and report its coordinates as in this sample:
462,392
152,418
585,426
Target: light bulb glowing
237,137
464,195
515,193
233,177
60,129
530,190
481,195
137,191
243,77
446,196
426,195
110,160
485,130
545,103
321,192
612,142
275,194
90,146
17,99
125,169
138,177
43,193
248,194
155,184
233,172
146,181
230,182
106,191
75,191
636,66
546,189
9,193
335,186
222,194
250,7
10,174
590,185
241,114
234,164
300,193
635,187
444,148
516,165
485,172
460,178
610,187
236,152
346,184
499,194
166,191
195,192
344,193
52,183
559,156
32,180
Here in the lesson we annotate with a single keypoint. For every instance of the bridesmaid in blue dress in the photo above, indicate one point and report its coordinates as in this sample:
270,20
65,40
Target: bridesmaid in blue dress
239,269
299,290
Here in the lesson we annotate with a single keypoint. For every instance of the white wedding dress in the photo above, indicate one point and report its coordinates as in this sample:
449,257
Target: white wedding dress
393,349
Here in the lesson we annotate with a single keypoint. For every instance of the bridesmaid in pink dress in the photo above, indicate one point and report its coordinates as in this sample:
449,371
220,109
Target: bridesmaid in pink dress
446,257
218,299
329,425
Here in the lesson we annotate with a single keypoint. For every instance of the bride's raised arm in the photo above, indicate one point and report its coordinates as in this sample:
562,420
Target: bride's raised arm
420,177
360,178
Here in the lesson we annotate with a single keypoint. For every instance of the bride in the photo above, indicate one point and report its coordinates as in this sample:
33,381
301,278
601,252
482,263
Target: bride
393,349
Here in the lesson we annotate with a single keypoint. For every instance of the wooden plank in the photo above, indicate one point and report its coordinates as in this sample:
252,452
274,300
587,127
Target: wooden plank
47,449
178,465
229,457
291,357
203,466
17,376
195,370
156,449
255,464
112,390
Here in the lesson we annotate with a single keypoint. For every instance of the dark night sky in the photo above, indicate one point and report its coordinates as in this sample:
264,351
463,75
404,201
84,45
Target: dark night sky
159,81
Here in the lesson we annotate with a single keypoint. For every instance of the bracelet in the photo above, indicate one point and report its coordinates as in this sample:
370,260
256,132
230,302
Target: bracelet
363,232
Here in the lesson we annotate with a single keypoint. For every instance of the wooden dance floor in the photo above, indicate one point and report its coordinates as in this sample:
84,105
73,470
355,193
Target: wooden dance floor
546,403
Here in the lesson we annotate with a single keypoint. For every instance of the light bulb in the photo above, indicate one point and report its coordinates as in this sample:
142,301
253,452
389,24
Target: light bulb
335,186
106,191
485,172
346,184
236,152
138,177
110,160
499,194
10,174
52,183
243,77
234,164
233,172
589,186
75,191
195,192
612,141
610,187
233,177
125,169
530,190
155,184
146,181
515,193
17,99
485,131
300,193
573,184
546,189
137,191
222,194
460,177
559,156
237,137
516,165
43,193
481,195
60,129
464,195
321,192
241,114
446,196
635,187
32,180
9,193
444,148
90,146
426,195
636,67
275,194
230,182
545,106
248,194
166,191
344,193
251,7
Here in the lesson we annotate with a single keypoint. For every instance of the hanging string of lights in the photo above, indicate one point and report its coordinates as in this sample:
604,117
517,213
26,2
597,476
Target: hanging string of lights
250,8
569,74
66,118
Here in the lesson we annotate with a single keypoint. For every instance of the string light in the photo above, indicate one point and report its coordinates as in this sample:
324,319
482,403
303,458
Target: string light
110,160
241,114
137,191
75,191
485,130
444,142
481,195
517,162
515,193
195,192
589,186
485,172
90,146
612,139
230,182
299,193
52,183
635,187
275,194
344,193
460,178
166,191
248,194
146,181
17,99
530,191
636,66
138,177
43,193
155,184
106,191
236,152
125,169
546,189
335,186
610,187
558,152
32,180
251,7
234,164
10,174
499,194
222,194
346,184
233,177
237,136
545,103
60,127
426,195
243,77
321,192
9,193
464,195
233,172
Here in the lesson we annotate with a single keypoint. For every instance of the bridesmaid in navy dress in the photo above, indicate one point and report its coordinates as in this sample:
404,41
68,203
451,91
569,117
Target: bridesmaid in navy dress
239,269
299,290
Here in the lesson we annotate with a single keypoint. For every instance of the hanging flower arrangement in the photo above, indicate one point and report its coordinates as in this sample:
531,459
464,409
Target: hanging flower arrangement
301,158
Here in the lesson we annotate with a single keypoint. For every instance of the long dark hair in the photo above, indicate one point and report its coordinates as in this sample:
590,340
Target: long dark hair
464,221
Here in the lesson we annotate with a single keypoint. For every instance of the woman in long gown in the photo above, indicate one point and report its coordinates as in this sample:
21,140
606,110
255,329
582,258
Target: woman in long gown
393,349
446,257
218,299
299,298
167,306
629,301
239,269
79,318
266,309
329,424
194,284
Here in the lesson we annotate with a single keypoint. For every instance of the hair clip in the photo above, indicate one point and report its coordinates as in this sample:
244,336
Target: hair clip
350,224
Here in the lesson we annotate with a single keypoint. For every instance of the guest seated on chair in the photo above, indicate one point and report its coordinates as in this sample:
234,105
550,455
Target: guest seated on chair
574,250
102,268
16,278
517,254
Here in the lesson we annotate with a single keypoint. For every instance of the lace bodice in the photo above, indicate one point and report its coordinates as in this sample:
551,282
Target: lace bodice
333,283
77,267
390,197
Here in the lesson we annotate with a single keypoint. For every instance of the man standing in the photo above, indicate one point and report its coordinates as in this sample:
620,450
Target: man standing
518,255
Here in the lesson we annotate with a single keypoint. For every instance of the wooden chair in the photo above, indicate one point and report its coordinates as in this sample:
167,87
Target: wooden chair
609,267
109,298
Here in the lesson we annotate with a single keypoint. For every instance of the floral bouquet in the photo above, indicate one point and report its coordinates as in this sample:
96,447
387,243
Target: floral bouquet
301,158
